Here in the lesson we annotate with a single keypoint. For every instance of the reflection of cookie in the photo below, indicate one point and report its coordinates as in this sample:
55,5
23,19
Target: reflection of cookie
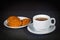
14,21
25,21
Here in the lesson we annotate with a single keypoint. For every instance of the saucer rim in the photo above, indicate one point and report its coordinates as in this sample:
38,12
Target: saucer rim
35,32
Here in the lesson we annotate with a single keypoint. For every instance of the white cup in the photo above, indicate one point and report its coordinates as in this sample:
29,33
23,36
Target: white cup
38,25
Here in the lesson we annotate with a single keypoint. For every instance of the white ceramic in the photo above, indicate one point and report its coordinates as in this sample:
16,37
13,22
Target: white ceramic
42,31
38,25
21,18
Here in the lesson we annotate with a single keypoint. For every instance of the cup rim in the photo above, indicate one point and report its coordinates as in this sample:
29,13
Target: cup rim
40,15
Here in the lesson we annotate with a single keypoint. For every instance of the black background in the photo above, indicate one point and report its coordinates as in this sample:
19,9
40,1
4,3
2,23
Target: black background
28,9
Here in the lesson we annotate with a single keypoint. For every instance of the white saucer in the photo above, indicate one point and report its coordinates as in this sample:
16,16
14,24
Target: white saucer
20,17
43,31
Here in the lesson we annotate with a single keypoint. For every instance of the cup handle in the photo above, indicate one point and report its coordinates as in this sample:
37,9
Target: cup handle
53,20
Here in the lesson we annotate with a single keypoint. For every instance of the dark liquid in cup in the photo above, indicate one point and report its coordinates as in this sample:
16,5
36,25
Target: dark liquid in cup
41,19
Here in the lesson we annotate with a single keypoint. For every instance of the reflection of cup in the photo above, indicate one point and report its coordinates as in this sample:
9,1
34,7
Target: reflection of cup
42,23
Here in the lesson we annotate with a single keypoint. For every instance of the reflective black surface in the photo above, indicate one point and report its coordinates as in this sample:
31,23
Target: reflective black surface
29,9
